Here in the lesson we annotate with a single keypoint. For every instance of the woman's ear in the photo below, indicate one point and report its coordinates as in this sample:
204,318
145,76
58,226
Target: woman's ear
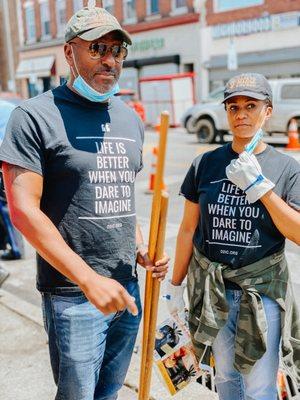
269,112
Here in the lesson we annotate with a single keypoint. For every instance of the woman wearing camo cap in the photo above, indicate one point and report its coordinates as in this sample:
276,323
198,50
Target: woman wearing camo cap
242,201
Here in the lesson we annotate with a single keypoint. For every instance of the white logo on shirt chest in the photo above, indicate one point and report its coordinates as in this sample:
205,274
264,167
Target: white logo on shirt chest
105,127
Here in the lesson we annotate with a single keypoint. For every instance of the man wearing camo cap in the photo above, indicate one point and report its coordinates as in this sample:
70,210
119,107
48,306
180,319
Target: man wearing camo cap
70,158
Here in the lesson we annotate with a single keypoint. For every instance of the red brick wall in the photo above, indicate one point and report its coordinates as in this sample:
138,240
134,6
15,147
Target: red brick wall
269,6
52,10
165,21
141,10
165,7
15,37
118,10
190,5
23,20
69,9
38,27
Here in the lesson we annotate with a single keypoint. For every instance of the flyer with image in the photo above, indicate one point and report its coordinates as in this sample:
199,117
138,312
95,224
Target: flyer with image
174,355
170,336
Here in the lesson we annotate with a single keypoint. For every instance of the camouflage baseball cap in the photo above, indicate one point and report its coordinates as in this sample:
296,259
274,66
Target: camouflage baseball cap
92,23
249,84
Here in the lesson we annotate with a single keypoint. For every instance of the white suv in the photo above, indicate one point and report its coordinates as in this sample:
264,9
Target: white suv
208,119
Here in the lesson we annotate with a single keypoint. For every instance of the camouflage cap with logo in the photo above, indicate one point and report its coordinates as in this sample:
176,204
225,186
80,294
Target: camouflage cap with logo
91,23
250,85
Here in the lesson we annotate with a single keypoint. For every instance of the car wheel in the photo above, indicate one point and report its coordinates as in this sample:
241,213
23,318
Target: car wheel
206,131
190,125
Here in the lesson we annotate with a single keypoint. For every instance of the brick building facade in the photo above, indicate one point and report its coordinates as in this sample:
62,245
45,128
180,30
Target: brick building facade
154,27
259,36
266,7
169,37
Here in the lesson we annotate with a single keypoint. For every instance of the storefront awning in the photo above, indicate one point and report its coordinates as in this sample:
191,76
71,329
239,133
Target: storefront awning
38,67
271,63
291,54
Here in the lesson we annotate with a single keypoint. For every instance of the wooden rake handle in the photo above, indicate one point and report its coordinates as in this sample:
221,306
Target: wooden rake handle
153,238
149,340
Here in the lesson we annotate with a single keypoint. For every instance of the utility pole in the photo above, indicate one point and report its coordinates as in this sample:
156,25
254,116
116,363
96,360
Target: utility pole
9,47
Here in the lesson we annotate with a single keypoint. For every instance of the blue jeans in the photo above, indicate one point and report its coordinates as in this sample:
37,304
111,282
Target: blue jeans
89,352
260,384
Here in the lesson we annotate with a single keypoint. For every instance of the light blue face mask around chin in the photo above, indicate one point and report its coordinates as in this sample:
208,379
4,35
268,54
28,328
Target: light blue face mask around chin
85,90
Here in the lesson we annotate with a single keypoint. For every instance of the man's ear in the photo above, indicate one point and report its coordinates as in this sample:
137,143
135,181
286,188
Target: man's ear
68,54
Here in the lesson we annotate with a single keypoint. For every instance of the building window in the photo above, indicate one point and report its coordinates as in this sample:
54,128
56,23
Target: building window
179,6
30,22
108,5
225,5
60,17
152,7
77,5
45,18
179,3
290,92
129,11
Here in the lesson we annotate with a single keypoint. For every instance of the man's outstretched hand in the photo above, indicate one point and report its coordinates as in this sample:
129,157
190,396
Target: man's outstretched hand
108,295
159,270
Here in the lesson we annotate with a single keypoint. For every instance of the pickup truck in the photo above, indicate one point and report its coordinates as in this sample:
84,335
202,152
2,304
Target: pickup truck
208,119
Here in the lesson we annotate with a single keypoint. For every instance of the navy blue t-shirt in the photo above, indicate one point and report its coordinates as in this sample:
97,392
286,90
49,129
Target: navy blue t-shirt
88,154
231,230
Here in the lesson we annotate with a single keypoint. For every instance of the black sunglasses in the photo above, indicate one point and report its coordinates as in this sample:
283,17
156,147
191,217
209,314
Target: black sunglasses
99,50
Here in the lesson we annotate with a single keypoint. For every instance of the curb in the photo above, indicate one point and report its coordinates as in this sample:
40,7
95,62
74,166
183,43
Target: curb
21,307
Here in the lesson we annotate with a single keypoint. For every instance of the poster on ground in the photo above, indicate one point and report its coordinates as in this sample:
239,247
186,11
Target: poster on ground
174,356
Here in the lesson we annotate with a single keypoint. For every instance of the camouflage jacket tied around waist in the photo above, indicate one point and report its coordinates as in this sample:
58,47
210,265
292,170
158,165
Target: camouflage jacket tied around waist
209,309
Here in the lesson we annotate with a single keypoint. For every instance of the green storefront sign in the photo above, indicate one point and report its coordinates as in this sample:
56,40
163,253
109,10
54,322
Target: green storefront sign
148,44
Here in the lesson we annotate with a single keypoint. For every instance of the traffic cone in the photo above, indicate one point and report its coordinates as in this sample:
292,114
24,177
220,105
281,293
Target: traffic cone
293,135
153,169
157,126
150,189
153,172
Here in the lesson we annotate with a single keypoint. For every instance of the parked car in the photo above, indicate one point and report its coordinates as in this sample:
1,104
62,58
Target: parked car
208,118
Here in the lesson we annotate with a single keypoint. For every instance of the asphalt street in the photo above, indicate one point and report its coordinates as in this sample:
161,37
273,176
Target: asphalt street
182,149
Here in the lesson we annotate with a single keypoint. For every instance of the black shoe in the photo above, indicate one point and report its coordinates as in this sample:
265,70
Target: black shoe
8,255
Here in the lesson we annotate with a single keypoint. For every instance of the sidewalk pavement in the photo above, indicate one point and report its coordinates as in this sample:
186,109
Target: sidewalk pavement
25,372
